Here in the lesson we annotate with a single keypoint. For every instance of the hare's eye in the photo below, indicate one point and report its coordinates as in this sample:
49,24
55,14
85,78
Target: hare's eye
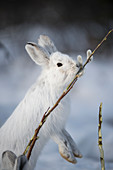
59,64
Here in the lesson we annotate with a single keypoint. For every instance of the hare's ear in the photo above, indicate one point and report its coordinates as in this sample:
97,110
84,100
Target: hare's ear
8,160
20,162
37,53
11,162
47,44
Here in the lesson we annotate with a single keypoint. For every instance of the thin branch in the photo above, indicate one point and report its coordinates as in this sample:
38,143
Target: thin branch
89,58
100,139
104,39
70,86
35,135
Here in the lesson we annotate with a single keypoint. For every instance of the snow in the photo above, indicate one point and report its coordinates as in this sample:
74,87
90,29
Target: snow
94,87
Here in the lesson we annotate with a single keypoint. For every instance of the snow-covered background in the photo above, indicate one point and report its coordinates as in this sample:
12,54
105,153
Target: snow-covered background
18,73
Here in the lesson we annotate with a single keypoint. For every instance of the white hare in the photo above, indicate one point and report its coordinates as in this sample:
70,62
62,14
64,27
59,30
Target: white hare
58,70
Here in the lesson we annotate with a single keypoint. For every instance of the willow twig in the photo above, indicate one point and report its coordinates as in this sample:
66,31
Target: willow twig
100,139
104,39
89,58
69,87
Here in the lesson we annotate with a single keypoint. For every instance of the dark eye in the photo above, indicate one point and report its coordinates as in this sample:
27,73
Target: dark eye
59,64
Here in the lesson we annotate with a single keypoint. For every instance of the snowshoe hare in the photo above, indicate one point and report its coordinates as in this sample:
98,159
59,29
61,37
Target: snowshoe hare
57,71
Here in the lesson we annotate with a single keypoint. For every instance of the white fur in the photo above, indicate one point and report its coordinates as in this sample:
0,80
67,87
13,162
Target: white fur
19,128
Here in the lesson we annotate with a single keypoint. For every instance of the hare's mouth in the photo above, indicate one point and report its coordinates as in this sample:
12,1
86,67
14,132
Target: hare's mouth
75,68
77,65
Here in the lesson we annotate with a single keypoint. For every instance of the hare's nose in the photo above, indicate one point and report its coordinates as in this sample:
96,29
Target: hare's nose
77,65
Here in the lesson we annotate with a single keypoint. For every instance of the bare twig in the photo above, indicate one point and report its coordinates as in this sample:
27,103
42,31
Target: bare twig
34,138
100,139
88,60
70,86
104,39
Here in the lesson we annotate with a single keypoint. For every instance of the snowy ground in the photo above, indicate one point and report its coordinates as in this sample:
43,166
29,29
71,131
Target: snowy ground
18,73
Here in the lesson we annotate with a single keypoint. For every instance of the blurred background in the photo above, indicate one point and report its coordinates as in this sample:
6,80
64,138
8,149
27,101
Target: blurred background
74,26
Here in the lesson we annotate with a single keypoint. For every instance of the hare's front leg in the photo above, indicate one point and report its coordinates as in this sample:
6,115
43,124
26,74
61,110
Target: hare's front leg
73,145
67,148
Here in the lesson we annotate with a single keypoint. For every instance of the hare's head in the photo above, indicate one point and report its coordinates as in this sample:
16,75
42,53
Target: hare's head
59,69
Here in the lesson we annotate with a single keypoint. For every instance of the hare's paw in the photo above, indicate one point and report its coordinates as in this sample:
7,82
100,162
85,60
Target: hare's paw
88,54
67,147
67,154
74,148
73,145
76,152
